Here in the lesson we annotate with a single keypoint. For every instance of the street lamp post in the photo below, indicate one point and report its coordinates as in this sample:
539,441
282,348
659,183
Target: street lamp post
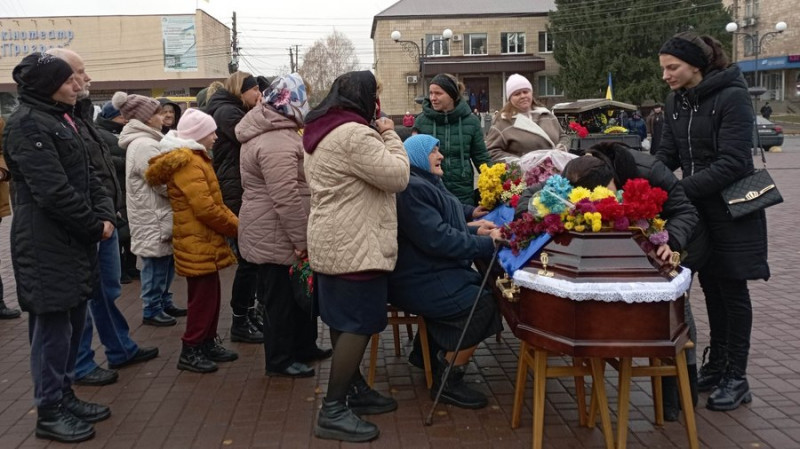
756,91
422,50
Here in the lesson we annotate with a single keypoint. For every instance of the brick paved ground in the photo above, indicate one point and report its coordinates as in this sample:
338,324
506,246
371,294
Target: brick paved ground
156,406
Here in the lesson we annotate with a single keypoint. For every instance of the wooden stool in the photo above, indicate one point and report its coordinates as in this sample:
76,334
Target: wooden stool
397,318
535,360
657,369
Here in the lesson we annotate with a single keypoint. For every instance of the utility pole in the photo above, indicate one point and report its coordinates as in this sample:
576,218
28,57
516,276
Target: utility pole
291,60
233,66
296,58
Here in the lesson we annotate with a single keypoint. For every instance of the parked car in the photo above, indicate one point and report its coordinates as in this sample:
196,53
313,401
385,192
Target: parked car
770,134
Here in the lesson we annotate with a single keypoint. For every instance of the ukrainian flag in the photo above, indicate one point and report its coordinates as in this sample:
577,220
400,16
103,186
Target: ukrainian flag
610,88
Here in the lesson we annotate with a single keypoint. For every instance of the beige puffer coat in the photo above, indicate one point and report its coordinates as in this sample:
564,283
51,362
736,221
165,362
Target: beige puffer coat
522,133
149,211
353,175
275,204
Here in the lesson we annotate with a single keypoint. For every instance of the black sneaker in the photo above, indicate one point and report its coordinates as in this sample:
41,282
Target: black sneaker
7,313
337,422
175,311
193,359
98,377
217,353
56,423
242,330
363,400
87,411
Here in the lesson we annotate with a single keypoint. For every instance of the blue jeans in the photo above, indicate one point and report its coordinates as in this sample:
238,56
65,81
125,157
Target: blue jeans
157,274
112,328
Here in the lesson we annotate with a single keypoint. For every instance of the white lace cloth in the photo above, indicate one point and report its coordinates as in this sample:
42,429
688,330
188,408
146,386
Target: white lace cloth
630,292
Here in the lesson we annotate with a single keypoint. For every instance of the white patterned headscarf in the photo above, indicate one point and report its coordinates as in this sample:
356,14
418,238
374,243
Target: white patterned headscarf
287,94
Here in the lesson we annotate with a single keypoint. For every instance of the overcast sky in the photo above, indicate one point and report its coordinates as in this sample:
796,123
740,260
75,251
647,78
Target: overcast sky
267,28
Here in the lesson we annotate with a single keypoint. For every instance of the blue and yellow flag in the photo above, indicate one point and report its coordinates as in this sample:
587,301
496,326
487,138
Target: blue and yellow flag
610,88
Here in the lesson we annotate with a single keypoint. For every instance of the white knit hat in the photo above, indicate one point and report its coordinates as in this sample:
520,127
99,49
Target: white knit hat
516,82
195,125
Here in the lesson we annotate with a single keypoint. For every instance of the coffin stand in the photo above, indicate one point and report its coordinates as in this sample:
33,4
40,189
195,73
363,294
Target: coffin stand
598,297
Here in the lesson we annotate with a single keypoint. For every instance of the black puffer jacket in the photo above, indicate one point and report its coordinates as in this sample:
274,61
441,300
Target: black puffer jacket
59,206
708,133
227,111
109,131
99,154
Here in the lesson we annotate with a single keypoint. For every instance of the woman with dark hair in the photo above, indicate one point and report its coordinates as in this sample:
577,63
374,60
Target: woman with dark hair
447,117
170,115
708,134
355,164
228,105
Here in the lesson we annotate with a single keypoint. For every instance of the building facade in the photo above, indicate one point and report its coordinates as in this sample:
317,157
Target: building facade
778,55
490,41
153,55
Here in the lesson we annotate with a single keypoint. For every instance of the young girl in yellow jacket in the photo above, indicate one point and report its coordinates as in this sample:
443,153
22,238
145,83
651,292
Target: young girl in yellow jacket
201,221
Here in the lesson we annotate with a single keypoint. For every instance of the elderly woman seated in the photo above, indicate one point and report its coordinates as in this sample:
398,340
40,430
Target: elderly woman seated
434,277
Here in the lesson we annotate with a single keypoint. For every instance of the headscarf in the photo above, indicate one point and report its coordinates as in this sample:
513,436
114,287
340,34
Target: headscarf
449,85
354,91
287,94
419,148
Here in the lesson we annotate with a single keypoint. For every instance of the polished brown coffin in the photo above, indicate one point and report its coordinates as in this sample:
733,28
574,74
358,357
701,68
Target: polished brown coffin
592,328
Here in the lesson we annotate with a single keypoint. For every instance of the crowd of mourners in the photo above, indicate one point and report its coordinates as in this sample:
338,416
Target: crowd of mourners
254,177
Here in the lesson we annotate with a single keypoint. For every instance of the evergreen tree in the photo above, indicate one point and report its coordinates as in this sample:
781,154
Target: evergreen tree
593,38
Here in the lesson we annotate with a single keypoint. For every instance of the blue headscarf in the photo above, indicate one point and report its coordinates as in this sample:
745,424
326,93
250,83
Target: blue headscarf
419,147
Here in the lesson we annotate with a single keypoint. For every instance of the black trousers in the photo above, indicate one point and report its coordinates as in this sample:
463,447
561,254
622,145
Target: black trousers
730,317
54,339
245,283
289,332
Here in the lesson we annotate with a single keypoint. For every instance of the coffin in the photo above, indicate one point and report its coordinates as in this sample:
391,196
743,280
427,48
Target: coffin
600,295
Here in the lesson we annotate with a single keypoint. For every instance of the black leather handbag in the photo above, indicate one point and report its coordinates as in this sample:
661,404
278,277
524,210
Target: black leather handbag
751,193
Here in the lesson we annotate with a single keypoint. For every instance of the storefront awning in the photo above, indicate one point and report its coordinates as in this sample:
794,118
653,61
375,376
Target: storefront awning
484,64
764,64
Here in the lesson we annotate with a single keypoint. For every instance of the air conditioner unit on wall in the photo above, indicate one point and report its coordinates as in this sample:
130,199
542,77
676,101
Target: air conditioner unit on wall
411,79
749,21
458,37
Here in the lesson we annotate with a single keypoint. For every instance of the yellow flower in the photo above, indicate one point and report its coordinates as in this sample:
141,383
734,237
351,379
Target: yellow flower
615,130
601,192
658,224
579,193
489,184
541,209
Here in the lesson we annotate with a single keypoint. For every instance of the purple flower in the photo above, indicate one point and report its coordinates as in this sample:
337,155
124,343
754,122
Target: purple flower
659,238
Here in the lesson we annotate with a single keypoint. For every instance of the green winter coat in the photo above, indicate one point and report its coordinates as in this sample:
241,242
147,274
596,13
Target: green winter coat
461,142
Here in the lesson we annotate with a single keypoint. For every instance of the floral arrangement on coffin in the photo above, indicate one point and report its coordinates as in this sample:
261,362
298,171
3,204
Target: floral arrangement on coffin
616,129
579,129
560,207
500,184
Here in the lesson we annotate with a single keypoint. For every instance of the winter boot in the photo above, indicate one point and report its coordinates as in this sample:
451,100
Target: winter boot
711,373
363,400
86,411
256,315
337,422
455,391
58,424
244,331
193,359
215,352
731,391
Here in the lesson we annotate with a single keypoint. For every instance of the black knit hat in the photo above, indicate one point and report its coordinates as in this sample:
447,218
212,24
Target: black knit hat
41,75
449,85
687,47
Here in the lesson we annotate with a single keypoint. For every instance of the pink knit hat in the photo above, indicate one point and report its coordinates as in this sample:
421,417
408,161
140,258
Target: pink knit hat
516,82
195,124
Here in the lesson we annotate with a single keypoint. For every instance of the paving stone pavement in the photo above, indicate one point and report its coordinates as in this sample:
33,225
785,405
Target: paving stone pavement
156,406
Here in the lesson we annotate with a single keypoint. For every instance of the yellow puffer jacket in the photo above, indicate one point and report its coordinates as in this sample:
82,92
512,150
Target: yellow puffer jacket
201,221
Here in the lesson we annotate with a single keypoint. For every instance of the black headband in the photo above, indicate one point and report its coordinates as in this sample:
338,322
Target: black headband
248,83
685,51
448,85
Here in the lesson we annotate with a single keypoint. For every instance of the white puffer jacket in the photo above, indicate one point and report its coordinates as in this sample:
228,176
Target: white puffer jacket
149,210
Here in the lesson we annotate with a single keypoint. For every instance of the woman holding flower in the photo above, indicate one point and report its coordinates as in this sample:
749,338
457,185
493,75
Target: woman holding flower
708,132
273,221
523,124
436,251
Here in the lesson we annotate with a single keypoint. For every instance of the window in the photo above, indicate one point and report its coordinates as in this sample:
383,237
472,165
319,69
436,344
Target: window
475,44
547,87
750,8
435,45
749,49
512,42
545,42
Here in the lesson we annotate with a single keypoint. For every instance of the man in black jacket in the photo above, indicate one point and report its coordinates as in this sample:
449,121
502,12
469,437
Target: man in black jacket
112,328
60,214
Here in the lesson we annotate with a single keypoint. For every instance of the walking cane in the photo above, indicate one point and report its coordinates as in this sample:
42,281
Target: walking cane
498,244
